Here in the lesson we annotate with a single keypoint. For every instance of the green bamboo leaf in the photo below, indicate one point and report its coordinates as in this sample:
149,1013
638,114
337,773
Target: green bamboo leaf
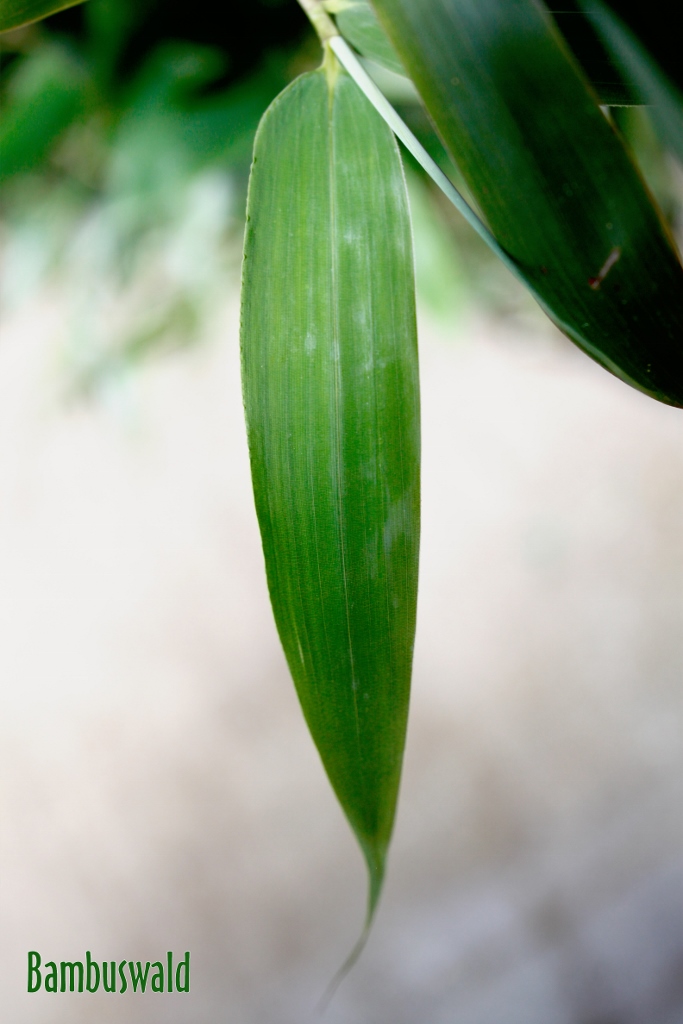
552,178
358,23
329,361
644,75
15,13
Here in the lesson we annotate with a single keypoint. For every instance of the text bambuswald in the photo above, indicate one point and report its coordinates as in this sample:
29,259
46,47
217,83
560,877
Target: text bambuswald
89,975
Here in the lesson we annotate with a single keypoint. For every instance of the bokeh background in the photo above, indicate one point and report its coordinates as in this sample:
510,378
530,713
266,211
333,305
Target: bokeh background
158,787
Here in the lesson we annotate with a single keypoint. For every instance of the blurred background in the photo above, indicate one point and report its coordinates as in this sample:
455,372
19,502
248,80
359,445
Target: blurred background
159,789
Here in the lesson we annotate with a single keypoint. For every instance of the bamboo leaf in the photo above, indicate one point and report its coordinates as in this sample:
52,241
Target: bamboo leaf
551,176
15,13
358,23
644,74
329,362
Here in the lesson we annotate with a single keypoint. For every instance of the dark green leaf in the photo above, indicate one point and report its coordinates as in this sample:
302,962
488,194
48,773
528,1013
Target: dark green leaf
15,13
552,177
330,379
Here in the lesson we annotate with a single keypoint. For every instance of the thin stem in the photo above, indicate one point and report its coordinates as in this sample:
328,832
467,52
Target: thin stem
319,19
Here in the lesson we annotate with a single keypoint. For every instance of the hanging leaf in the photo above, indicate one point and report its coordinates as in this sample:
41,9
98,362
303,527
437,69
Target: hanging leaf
358,23
15,13
645,76
329,361
552,178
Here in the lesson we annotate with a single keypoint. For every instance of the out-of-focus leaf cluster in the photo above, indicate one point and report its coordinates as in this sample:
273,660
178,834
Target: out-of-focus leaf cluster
125,140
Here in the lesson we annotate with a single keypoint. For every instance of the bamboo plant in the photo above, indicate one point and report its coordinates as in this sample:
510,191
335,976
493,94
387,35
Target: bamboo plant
328,328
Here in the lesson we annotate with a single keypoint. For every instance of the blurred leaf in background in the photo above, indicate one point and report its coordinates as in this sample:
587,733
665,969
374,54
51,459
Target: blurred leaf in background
49,91
125,142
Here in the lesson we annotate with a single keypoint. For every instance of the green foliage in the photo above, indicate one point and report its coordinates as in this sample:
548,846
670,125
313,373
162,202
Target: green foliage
131,154
144,124
170,129
331,397
553,181
50,91
569,214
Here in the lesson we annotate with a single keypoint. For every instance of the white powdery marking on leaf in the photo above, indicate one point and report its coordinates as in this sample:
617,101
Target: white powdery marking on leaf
395,525
310,343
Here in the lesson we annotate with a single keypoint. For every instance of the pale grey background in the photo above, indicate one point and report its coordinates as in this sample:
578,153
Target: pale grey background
159,790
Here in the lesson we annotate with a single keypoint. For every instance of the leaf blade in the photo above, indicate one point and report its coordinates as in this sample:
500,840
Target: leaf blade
330,383
551,176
